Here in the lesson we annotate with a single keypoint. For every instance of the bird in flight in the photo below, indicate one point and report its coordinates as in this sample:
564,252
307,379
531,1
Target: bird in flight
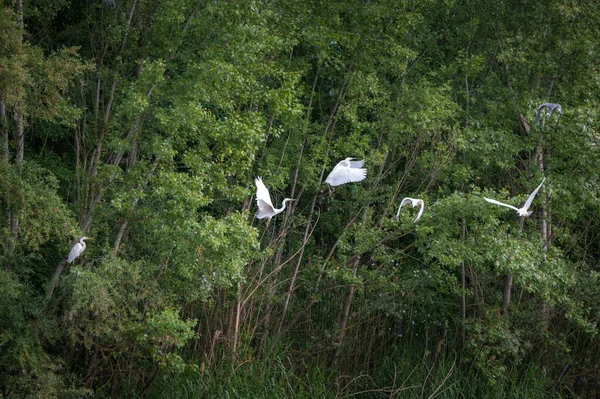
551,107
414,202
523,211
263,200
347,171
77,249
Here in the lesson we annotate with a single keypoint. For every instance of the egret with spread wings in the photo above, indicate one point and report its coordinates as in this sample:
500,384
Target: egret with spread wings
263,200
347,171
524,210
414,202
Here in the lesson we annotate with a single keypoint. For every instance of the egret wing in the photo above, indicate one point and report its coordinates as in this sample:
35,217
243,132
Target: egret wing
422,204
75,252
405,201
357,164
532,196
342,174
500,203
263,200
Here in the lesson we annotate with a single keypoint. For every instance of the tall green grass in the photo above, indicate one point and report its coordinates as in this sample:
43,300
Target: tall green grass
249,379
405,373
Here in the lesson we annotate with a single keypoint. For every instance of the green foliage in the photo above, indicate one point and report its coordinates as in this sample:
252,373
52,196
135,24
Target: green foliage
146,122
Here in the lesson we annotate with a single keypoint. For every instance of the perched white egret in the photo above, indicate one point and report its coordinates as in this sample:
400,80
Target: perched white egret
77,249
523,211
414,202
347,171
263,200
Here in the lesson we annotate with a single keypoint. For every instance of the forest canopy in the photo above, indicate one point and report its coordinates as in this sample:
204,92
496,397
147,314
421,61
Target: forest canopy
143,124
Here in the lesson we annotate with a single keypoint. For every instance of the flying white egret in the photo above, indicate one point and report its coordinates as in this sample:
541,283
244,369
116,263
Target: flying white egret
77,249
414,202
347,171
523,211
263,200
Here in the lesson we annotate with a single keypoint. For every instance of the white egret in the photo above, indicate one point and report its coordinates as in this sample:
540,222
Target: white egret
523,211
263,200
414,202
347,171
77,249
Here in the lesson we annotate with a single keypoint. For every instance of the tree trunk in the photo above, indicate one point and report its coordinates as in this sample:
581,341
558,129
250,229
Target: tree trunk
19,133
238,311
124,225
543,225
463,283
353,262
54,279
307,232
506,293
4,130
508,279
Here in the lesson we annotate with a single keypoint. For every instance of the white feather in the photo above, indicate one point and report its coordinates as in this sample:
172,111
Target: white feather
77,249
347,171
264,203
414,202
524,210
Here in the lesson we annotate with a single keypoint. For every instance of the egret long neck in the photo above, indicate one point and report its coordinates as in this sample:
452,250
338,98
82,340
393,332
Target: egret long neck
284,203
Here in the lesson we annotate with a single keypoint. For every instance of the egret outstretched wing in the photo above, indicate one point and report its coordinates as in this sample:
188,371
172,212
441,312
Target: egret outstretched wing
263,200
405,201
357,164
500,203
532,196
420,211
414,202
347,171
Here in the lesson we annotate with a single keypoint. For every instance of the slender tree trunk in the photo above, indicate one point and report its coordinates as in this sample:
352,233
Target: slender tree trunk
468,99
10,242
543,225
288,295
19,138
549,86
120,234
19,133
506,293
508,280
124,225
54,279
238,311
5,134
19,156
463,284
346,311
99,144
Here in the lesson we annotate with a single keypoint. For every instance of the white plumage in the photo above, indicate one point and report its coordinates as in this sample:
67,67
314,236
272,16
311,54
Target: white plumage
414,202
523,211
77,249
347,171
263,200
